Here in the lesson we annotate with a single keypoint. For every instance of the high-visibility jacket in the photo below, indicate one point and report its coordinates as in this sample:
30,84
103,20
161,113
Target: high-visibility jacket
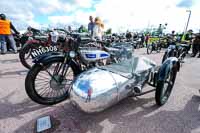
5,28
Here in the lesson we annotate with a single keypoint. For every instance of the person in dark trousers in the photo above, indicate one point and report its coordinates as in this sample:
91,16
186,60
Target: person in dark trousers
196,46
189,38
147,37
142,39
5,33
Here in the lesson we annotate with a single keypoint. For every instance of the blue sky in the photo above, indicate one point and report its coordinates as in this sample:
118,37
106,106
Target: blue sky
119,15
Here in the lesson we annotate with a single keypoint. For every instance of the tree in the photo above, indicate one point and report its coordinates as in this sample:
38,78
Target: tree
109,31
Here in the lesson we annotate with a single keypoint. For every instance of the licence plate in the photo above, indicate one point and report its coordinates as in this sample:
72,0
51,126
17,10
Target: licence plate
42,50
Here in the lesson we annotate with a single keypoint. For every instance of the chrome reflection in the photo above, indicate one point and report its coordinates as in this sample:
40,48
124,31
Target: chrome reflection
100,88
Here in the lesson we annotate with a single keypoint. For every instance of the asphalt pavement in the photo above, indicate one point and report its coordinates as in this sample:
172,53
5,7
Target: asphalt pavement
181,114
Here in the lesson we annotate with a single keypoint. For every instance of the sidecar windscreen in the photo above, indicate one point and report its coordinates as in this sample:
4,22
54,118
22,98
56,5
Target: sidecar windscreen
130,67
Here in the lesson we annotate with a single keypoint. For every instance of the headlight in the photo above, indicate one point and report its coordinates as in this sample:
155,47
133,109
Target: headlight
72,54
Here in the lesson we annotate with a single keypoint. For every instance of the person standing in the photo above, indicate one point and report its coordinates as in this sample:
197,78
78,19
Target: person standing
98,29
147,37
5,33
142,39
196,46
69,29
91,25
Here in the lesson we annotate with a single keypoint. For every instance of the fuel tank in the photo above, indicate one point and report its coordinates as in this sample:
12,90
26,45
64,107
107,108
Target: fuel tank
94,55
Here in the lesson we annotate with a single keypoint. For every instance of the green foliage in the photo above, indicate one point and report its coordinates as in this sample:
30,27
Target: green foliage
109,31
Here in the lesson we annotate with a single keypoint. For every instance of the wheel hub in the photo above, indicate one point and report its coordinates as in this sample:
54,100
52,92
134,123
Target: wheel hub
57,82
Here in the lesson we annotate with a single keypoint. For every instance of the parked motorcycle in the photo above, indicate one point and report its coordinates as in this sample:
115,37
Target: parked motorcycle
28,51
58,70
179,51
154,46
100,87
39,44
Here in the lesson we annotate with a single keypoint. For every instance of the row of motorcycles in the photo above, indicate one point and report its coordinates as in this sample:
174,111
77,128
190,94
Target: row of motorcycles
178,49
93,74
40,43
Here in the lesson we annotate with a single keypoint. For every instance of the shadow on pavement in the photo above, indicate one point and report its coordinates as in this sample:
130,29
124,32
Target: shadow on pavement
13,73
130,115
8,61
9,109
72,120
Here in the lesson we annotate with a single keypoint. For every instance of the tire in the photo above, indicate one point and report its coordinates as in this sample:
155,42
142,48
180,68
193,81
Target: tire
60,88
162,95
165,56
149,48
27,50
158,48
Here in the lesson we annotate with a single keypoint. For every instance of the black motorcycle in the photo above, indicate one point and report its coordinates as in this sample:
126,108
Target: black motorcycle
179,51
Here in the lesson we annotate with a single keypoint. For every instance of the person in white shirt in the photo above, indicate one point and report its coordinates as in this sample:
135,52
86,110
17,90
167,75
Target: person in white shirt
98,29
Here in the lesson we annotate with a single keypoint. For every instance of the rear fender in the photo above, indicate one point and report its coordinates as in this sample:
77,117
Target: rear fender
170,64
32,43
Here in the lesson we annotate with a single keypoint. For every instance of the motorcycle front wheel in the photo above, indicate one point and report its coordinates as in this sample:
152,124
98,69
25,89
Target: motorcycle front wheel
49,84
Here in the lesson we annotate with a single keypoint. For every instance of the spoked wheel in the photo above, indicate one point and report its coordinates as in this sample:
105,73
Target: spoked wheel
149,48
25,55
164,88
49,84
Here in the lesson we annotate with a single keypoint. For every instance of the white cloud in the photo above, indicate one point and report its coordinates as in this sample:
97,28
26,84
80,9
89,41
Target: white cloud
83,3
117,14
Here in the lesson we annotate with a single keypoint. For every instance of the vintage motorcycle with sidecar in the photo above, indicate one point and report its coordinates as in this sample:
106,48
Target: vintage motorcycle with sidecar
100,86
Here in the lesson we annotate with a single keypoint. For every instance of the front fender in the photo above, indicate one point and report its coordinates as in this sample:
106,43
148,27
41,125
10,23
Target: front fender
169,64
45,58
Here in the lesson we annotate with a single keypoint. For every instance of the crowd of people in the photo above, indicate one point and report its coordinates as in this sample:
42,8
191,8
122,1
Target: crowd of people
96,30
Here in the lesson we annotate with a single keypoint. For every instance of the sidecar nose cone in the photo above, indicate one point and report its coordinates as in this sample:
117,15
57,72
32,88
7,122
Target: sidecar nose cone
95,90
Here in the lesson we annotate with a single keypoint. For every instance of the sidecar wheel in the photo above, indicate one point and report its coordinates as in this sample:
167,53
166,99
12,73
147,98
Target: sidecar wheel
164,88
165,56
